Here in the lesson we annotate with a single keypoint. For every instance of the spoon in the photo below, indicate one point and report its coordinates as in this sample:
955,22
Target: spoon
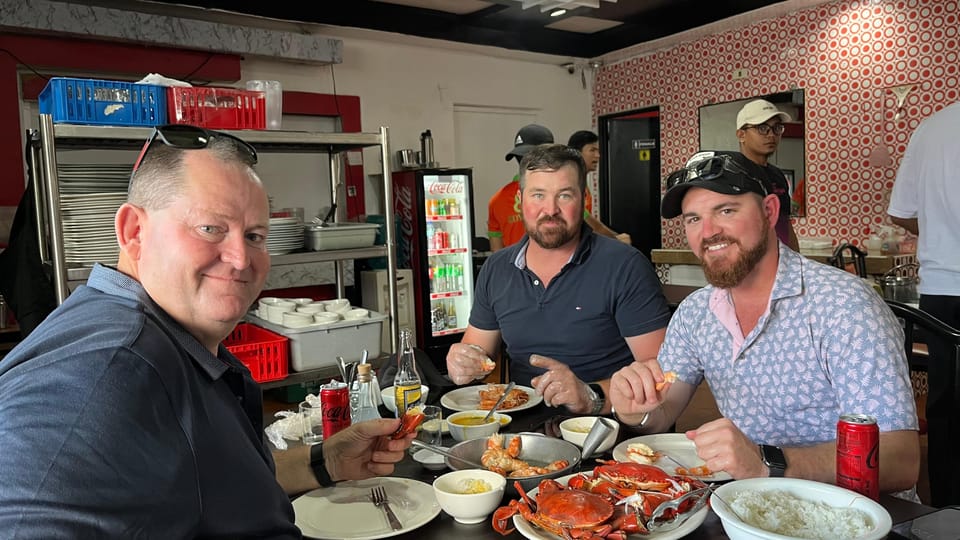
445,452
499,402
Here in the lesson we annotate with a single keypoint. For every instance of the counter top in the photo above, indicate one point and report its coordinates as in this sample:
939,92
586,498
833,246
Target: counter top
876,264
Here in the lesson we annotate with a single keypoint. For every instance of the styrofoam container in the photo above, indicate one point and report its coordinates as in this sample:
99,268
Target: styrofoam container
319,345
339,236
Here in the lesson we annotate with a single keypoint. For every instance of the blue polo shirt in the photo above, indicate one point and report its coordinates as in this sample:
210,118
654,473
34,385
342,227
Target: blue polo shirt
116,423
606,292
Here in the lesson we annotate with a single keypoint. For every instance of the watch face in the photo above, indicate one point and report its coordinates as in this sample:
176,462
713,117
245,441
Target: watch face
773,457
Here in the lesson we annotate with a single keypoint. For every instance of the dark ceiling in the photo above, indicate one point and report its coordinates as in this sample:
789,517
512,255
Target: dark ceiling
505,23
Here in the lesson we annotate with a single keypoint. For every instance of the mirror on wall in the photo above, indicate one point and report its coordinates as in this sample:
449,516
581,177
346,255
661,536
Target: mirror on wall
718,131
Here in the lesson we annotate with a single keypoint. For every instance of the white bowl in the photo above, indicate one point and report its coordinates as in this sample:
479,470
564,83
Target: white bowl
356,314
310,308
273,309
430,460
339,305
325,317
809,490
388,400
469,507
293,319
575,430
301,301
462,432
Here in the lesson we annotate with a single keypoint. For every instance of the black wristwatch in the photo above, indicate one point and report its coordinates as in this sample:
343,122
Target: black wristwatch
599,398
773,458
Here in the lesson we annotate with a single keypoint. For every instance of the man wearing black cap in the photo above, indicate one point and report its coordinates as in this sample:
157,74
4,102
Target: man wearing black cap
504,222
571,306
786,344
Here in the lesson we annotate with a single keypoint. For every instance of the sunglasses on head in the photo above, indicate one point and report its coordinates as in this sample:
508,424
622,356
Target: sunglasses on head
711,169
191,138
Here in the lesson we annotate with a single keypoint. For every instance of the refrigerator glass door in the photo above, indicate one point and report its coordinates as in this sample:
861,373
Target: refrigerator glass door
449,251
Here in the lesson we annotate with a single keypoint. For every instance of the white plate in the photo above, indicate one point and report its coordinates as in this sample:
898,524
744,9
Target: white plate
675,445
345,511
529,531
468,399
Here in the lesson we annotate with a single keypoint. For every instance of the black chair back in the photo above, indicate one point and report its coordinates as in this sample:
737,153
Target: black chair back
943,398
850,258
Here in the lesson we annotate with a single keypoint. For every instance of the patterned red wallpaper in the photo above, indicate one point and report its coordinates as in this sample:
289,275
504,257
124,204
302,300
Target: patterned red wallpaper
846,55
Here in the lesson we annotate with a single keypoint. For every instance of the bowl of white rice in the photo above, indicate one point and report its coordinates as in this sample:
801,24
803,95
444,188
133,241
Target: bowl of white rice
791,508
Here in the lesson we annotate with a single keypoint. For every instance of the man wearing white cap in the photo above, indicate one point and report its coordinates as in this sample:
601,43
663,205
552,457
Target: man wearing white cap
759,127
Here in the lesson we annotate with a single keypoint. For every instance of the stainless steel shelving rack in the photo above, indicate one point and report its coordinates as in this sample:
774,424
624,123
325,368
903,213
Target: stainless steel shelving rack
53,136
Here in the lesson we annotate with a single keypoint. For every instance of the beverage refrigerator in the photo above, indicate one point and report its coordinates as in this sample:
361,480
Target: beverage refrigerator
434,240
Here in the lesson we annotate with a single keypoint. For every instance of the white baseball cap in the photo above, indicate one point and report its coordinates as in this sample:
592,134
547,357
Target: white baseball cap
759,111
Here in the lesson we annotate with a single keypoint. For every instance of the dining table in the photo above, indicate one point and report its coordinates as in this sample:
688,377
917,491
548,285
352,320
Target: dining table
545,420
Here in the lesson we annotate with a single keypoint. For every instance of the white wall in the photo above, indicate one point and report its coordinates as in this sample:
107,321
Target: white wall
410,88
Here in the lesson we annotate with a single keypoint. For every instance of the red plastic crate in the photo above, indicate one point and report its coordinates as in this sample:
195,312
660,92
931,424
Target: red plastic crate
265,353
217,108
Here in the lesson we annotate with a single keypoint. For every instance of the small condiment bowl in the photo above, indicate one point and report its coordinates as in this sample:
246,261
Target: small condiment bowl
451,490
310,308
356,314
292,319
575,430
302,301
430,460
325,317
339,305
463,425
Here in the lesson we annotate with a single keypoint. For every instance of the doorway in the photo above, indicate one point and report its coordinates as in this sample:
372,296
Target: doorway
482,136
630,175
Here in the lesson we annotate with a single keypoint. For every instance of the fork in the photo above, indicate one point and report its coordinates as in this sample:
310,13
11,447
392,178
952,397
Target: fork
379,497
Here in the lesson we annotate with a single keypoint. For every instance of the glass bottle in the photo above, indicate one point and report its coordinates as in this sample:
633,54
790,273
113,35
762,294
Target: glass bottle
366,395
406,387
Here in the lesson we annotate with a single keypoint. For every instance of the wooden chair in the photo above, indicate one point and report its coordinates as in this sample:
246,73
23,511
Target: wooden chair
940,417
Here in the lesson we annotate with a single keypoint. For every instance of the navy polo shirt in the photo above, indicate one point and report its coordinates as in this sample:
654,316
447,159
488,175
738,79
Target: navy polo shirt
116,423
606,292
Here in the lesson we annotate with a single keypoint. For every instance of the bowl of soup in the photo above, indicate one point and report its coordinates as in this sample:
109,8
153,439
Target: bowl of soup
466,425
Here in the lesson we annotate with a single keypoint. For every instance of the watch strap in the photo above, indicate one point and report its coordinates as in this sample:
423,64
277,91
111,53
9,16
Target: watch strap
319,466
774,459
598,397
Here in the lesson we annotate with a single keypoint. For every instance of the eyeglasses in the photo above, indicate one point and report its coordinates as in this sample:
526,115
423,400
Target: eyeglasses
766,129
192,138
714,168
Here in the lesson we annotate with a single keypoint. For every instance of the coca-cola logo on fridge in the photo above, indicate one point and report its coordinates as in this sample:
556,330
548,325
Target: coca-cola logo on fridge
445,188
403,203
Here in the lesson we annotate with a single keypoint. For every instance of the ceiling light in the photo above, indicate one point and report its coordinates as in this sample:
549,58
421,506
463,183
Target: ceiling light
557,12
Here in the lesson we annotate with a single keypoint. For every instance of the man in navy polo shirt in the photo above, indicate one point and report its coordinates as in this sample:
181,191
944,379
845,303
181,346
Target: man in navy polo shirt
122,415
571,306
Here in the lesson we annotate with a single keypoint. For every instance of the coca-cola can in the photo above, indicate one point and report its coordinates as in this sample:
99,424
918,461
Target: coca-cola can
858,454
335,403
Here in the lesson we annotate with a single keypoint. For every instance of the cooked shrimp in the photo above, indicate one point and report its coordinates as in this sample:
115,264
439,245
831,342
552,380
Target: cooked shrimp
668,377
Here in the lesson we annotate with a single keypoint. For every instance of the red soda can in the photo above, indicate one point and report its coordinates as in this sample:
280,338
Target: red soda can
334,407
858,454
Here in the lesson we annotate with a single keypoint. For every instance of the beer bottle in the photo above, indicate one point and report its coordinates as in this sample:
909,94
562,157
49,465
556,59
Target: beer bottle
406,386
452,314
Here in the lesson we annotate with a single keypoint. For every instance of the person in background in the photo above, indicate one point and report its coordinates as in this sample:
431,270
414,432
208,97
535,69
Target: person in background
759,128
571,306
588,144
504,222
924,201
786,344
122,415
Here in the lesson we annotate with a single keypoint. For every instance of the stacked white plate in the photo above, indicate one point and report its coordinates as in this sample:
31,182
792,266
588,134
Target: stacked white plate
286,235
89,198
88,233
93,178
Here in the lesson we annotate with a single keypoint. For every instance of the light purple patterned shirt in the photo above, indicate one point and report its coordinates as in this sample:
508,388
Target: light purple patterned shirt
827,345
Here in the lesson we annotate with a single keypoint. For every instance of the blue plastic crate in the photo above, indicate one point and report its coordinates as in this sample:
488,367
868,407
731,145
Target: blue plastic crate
109,103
